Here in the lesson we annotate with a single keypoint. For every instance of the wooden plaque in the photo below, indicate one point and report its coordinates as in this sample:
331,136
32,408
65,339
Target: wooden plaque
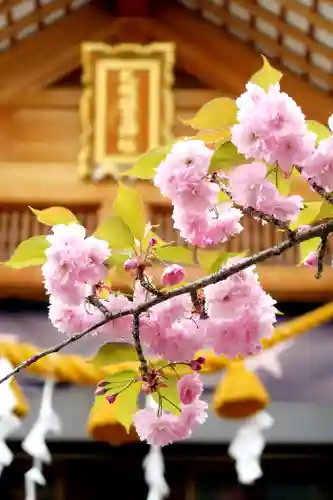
127,105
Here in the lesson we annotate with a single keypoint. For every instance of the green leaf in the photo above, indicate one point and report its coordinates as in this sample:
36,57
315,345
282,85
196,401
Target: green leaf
145,166
29,253
124,376
175,254
208,257
319,129
266,76
277,177
126,405
307,215
130,208
114,352
308,246
55,215
214,136
217,114
225,157
114,230
170,396
117,259
326,210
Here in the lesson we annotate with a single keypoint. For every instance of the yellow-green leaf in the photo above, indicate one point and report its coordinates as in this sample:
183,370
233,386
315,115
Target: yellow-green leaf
117,259
217,114
225,157
175,254
266,76
145,166
114,352
130,208
114,230
214,137
170,396
126,405
307,215
277,177
322,132
326,210
29,253
308,246
55,215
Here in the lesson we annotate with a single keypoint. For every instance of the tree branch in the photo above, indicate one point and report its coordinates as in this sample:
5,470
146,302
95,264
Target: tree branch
299,237
318,189
138,346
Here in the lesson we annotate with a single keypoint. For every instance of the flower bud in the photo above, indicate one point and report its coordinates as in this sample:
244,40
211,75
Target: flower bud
201,360
172,275
195,365
100,391
111,398
152,242
130,265
311,260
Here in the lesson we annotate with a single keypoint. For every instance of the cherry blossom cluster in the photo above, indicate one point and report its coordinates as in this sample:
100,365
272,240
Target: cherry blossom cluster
271,127
162,428
231,316
197,215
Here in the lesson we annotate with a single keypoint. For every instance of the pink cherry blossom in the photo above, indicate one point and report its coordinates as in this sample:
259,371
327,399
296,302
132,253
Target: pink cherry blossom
157,430
194,414
172,275
73,263
119,329
319,166
72,319
311,260
212,227
176,342
249,187
272,128
190,387
181,176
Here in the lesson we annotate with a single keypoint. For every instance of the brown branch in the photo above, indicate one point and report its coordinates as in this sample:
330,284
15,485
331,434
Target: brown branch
224,273
138,346
318,189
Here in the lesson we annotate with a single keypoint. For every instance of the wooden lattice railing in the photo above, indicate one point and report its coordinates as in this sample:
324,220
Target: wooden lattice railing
254,237
295,33
18,223
21,18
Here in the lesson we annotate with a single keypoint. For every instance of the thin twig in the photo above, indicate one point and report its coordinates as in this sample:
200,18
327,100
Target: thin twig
138,347
147,285
221,275
321,255
320,190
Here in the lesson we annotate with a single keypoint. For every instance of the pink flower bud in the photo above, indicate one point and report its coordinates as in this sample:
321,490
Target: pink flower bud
311,260
100,391
111,398
172,275
152,242
195,365
130,265
201,360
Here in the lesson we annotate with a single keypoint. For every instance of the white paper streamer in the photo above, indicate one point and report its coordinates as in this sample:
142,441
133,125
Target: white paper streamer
8,421
248,445
154,469
35,442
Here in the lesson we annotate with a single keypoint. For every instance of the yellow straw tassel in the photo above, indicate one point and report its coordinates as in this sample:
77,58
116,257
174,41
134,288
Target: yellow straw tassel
21,408
103,425
240,393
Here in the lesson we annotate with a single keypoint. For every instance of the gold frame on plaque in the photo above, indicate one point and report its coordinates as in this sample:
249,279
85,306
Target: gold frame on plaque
155,63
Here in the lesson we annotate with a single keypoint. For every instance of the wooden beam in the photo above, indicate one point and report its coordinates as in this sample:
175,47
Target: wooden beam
222,61
50,54
284,283
132,8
